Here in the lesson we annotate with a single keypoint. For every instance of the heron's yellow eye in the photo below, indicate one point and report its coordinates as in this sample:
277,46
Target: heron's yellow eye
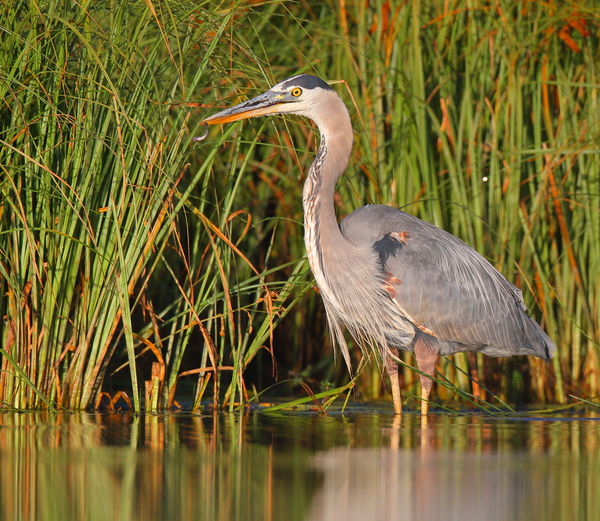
296,92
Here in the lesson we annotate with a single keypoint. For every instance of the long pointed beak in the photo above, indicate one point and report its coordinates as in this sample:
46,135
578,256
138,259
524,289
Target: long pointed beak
262,105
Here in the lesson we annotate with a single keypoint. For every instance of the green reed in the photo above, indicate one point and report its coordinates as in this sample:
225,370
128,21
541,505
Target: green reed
125,249
115,252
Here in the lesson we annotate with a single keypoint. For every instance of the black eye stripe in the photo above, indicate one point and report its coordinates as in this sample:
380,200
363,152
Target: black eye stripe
306,81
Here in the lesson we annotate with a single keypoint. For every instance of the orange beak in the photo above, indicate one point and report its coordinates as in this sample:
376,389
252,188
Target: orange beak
267,103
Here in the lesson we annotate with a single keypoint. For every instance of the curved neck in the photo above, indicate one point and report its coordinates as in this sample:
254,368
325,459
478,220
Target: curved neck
321,229
330,162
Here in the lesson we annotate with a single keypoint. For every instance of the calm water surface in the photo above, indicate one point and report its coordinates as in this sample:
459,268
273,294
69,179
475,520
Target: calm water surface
362,465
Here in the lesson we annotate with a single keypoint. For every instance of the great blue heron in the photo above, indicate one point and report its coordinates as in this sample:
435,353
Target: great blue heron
393,280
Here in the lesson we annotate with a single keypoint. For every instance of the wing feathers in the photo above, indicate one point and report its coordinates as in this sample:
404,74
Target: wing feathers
447,287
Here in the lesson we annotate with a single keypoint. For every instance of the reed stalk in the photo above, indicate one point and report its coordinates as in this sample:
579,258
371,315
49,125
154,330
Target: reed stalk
133,260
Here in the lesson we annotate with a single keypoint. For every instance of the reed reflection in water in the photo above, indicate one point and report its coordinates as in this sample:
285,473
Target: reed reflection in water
297,467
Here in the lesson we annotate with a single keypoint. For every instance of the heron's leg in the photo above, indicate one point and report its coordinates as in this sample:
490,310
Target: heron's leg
391,367
426,355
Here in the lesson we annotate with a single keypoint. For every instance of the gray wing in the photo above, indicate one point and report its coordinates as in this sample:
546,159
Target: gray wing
445,287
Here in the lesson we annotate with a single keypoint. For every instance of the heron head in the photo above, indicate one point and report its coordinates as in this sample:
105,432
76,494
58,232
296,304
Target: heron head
302,95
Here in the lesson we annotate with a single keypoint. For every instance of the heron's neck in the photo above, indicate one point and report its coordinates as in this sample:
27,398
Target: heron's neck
321,229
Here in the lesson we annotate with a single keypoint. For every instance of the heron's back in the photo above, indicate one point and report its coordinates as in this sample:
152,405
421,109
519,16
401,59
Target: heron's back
445,287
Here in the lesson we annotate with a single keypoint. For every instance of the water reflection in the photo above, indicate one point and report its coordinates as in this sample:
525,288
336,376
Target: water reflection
297,467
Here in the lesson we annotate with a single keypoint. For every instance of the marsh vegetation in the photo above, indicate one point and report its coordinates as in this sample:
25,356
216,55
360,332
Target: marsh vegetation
137,265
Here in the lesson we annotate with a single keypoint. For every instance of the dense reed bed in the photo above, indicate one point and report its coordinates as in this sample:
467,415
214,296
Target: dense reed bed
127,250
119,249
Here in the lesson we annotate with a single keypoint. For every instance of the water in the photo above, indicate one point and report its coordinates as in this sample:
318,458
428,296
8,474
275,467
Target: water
364,465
